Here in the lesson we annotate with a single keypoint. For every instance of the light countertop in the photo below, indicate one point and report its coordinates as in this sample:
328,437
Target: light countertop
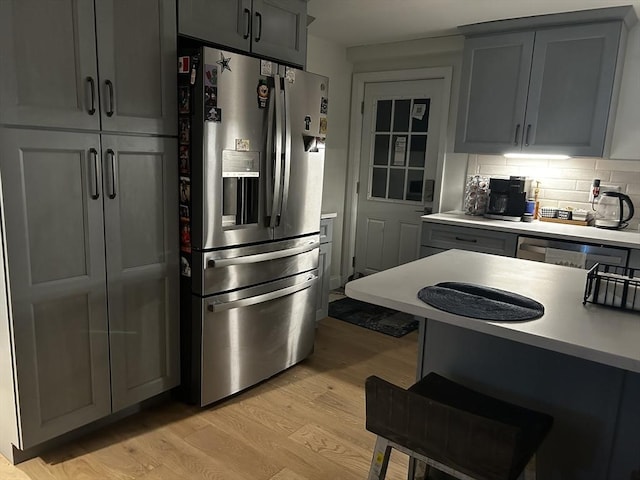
326,215
620,238
601,334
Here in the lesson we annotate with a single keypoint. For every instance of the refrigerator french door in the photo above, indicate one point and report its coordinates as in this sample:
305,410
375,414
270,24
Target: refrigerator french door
256,133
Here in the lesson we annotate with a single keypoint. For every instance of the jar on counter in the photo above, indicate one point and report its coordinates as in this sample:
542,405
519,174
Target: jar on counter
476,195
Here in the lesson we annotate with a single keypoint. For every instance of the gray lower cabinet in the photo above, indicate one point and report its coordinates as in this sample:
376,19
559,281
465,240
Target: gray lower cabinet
52,50
324,268
634,259
539,91
271,28
437,237
90,257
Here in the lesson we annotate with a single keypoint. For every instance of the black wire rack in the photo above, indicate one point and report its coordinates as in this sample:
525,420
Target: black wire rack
613,286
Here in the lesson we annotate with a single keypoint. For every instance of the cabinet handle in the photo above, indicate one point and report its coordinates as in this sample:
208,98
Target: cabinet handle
259,17
109,85
247,29
526,138
515,139
468,240
92,89
93,153
114,178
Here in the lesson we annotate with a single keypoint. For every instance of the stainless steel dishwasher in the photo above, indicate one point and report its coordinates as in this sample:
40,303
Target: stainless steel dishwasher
571,254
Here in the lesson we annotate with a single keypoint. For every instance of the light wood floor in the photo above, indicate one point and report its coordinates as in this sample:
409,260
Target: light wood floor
305,424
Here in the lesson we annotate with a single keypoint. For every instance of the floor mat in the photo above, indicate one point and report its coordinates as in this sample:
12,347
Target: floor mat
373,317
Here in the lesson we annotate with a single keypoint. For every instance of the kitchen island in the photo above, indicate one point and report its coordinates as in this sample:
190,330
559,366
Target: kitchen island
580,364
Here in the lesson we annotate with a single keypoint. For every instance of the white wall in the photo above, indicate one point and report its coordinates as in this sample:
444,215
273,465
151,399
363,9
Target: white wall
330,59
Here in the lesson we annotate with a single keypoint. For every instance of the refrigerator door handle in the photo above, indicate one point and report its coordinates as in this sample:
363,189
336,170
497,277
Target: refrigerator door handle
277,188
287,149
262,257
265,297
270,156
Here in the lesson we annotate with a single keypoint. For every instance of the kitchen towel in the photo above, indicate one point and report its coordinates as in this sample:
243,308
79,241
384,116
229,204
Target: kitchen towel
477,301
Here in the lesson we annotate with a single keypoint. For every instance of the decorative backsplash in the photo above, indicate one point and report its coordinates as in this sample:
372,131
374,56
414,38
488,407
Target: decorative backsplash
567,182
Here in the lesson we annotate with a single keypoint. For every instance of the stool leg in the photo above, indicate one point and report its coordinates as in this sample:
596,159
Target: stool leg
380,460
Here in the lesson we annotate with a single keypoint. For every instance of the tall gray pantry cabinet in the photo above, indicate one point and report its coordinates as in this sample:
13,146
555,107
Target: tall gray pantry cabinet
88,171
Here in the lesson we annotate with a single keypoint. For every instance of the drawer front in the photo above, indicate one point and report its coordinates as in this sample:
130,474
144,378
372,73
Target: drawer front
473,239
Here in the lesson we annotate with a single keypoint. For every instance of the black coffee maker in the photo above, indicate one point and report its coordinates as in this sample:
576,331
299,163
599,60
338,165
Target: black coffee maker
507,199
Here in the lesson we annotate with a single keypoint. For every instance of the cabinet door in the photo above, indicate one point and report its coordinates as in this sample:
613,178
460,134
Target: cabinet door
48,59
493,93
137,61
570,90
279,30
53,221
225,23
141,231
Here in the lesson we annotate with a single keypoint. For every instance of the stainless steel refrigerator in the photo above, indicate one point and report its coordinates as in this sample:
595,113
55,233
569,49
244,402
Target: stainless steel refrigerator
252,136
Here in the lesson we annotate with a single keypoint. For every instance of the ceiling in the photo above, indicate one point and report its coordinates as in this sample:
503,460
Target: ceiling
365,22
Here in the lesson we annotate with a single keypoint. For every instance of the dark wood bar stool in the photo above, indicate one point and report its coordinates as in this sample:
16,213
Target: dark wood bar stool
461,432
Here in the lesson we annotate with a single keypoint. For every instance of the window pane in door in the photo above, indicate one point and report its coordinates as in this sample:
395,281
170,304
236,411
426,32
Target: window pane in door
381,150
414,185
383,116
396,183
418,150
379,183
420,115
401,115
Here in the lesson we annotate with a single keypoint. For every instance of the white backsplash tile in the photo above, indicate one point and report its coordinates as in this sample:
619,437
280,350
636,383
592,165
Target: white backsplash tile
566,182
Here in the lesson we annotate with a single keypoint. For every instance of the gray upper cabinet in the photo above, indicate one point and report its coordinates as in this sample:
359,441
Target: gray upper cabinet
271,28
141,231
51,59
545,88
137,64
280,30
495,80
52,211
226,22
49,71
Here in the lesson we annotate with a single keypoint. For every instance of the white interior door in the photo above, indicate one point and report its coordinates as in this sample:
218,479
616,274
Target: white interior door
398,165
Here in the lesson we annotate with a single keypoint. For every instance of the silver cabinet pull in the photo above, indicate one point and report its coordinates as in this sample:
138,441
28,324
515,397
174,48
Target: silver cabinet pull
515,139
468,240
265,297
109,85
262,257
247,29
526,139
92,89
95,193
111,155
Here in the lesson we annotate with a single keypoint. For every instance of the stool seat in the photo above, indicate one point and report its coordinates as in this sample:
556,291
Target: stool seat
477,435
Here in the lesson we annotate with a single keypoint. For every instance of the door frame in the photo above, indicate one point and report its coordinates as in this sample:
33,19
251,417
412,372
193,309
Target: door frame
355,140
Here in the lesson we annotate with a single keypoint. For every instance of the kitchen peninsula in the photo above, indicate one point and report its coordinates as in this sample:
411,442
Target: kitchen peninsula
580,364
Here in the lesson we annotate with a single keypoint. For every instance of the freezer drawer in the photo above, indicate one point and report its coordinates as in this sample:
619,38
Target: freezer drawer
230,269
250,335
